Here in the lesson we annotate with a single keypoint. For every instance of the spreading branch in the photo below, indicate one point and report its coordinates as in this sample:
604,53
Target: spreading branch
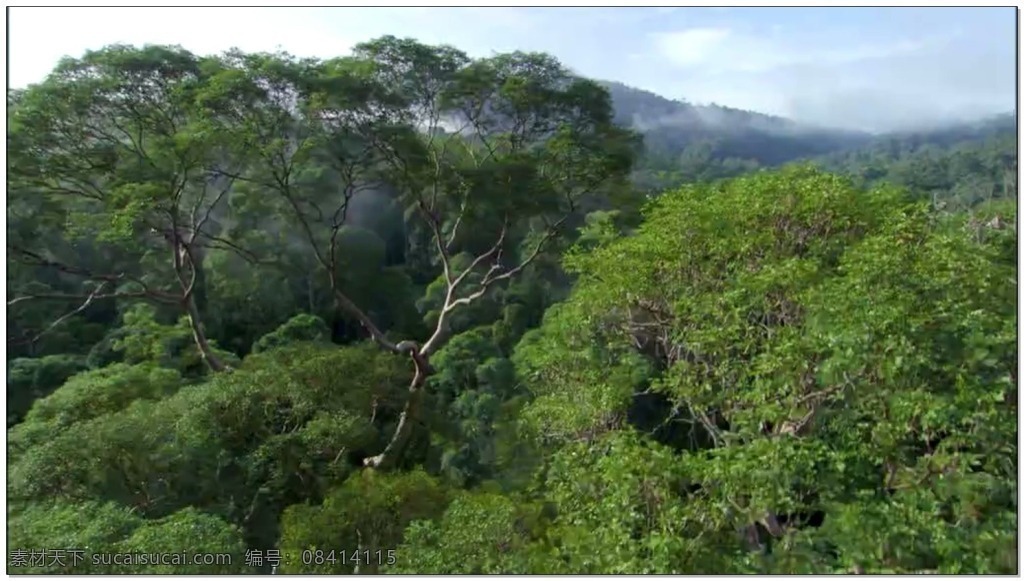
37,259
494,274
89,299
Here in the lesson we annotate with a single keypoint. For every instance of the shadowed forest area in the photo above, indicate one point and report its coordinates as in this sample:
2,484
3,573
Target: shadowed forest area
408,311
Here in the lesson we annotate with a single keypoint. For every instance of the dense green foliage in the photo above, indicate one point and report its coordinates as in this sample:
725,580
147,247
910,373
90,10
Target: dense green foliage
403,311
956,169
830,363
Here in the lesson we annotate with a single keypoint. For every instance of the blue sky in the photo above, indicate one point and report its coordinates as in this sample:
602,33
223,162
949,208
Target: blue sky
864,68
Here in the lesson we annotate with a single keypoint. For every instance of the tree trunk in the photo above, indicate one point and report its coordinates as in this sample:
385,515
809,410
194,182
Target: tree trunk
187,260
420,359
195,322
410,412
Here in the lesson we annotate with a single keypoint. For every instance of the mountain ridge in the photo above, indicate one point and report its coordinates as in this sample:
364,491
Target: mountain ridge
686,142
682,113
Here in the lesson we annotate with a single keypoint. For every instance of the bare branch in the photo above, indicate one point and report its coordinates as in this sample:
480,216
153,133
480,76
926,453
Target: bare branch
198,226
156,295
95,295
491,277
346,304
179,252
193,221
455,228
187,291
243,178
88,301
285,191
39,260
492,252
709,426
432,220
552,231
225,244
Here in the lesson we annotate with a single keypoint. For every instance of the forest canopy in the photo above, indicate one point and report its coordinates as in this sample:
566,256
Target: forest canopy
408,311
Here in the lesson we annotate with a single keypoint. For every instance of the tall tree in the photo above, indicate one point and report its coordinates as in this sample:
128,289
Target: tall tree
526,140
489,158
111,148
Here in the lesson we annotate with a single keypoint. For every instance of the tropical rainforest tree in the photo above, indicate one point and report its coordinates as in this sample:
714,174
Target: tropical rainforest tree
528,140
405,304
109,150
835,370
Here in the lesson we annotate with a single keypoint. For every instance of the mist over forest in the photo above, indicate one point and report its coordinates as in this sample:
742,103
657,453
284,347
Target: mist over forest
406,310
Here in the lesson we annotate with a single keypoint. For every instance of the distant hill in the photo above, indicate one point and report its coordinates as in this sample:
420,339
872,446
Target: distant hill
686,142
959,167
1004,125
710,142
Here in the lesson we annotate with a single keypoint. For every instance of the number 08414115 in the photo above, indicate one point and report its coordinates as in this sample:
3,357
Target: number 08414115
342,557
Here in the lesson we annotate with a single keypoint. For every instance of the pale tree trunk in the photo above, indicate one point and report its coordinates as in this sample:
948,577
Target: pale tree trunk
195,322
388,458
187,269
421,363
421,355
410,412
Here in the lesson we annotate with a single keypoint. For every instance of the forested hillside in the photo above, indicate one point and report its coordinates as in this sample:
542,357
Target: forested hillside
957,168
686,143
407,311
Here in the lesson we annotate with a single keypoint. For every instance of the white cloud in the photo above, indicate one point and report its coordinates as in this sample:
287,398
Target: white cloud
693,47
725,50
921,80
